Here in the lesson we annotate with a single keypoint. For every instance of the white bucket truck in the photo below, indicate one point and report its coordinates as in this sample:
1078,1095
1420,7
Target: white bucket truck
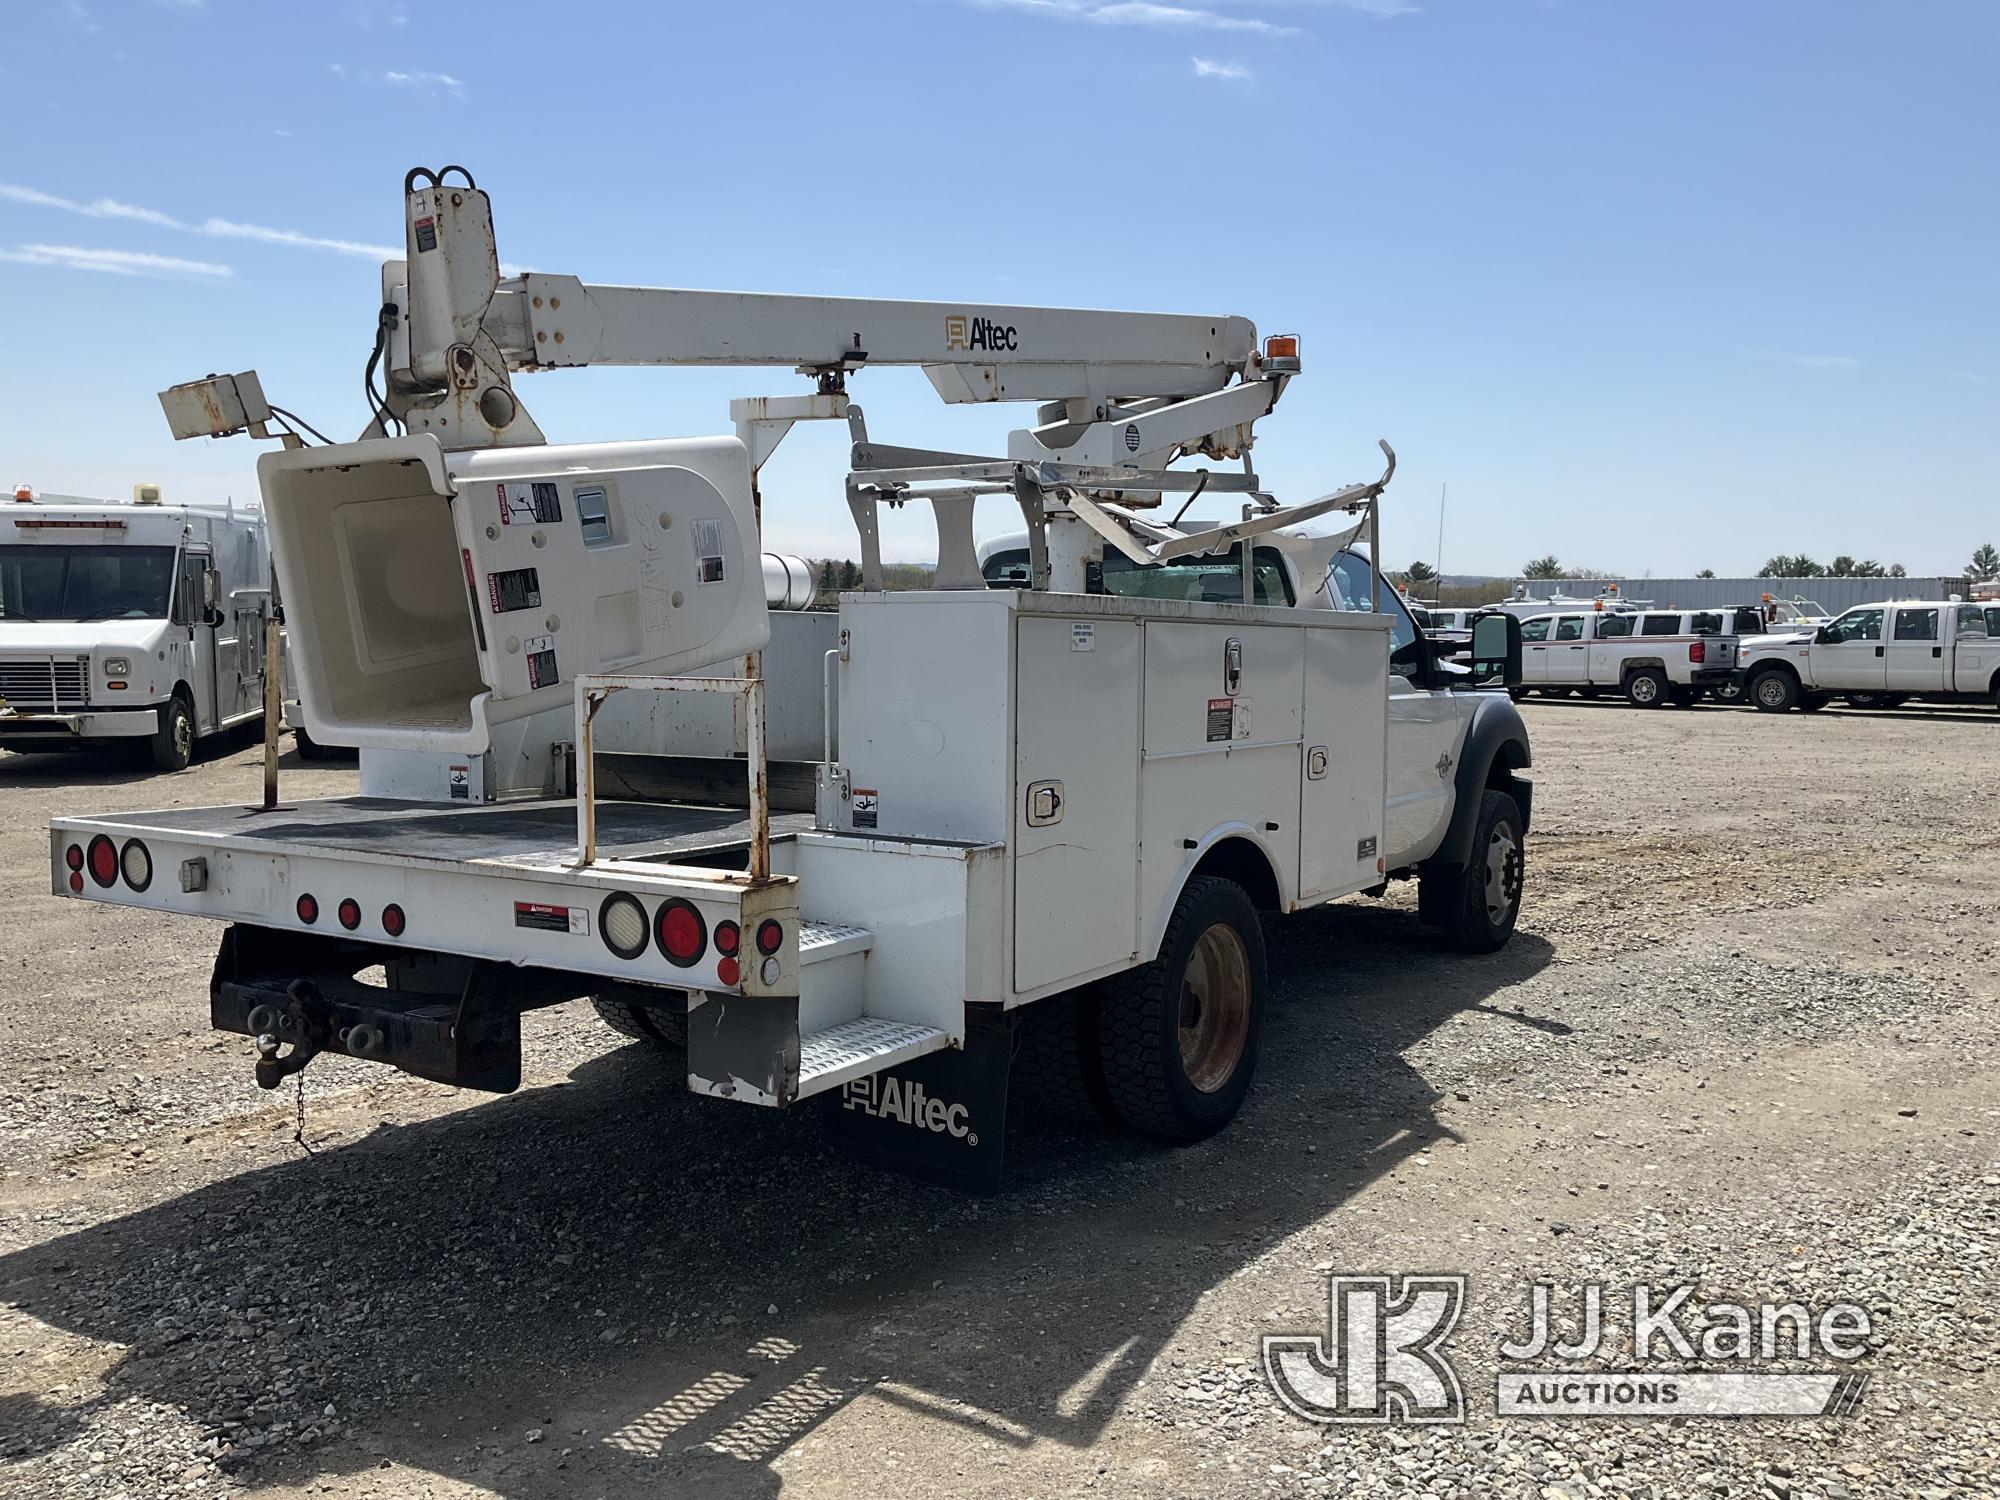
140,622
1058,804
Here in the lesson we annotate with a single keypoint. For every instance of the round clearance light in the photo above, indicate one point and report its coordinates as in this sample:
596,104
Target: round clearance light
136,864
621,922
770,937
307,907
728,970
681,932
73,856
349,912
771,970
728,938
76,881
392,920
103,861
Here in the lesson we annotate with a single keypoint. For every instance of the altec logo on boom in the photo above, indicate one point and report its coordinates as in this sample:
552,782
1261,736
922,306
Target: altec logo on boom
961,332
905,1102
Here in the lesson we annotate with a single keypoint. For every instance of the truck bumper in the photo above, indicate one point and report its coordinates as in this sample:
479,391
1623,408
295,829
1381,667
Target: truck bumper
32,727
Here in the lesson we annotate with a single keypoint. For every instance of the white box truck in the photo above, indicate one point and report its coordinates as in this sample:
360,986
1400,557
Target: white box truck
1057,814
141,622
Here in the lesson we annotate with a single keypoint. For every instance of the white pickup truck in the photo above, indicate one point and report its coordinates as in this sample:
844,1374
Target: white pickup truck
1651,656
1879,656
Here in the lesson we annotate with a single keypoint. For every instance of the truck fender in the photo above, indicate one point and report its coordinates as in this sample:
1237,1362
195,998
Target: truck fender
1496,746
1640,663
1229,850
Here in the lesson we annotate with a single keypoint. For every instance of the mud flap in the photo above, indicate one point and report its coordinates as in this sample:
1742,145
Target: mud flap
942,1118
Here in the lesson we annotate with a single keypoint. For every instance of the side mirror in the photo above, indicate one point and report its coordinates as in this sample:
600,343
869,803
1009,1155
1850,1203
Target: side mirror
1496,650
1823,635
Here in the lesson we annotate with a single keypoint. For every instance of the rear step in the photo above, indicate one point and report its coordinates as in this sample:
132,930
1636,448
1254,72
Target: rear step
854,1049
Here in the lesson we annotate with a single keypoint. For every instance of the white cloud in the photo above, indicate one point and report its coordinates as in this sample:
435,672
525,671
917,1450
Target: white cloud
113,262
1138,13
225,229
420,79
1208,68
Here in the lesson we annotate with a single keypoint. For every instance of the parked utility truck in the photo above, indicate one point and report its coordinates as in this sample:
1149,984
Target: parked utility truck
140,622
1880,656
1053,801
1654,656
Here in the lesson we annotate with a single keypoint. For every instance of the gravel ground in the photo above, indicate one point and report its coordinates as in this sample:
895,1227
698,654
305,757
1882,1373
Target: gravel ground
1743,1040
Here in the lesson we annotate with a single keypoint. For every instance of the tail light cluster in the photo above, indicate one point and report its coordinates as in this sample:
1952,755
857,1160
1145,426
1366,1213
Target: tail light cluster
1697,652
683,937
107,864
349,914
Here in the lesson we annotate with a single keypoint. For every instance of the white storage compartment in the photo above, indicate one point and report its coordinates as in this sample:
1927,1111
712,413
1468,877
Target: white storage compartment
430,596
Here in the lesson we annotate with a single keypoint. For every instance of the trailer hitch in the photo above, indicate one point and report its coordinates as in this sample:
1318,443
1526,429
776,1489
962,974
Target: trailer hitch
302,1022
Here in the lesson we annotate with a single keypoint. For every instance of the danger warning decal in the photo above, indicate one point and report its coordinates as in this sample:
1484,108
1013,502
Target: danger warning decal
708,550
545,918
536,502
517,588
541,651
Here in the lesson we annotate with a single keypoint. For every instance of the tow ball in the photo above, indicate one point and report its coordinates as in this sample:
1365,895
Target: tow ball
305,1023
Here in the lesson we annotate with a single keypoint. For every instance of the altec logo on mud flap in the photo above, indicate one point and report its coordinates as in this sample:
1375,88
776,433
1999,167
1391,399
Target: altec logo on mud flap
961,332
905,1102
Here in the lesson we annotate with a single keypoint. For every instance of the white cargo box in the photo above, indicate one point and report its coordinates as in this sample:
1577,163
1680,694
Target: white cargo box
432,596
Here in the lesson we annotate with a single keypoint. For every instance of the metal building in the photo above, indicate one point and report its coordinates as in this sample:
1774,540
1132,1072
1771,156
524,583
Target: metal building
1836,594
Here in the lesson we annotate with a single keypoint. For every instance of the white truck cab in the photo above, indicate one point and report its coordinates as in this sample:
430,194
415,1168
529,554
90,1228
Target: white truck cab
137,622
1929,650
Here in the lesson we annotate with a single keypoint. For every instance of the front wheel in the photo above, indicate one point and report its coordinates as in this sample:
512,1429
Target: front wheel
1774,692
173,742
1646,688
1478,905
1177,1038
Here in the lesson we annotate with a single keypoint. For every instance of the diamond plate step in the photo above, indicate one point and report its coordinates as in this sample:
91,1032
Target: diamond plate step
823,940
854,1049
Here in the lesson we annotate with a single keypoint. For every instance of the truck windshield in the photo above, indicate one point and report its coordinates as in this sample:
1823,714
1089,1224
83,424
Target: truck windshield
85,583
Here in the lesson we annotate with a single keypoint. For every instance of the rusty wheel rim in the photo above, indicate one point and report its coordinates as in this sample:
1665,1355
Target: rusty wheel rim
1214,1021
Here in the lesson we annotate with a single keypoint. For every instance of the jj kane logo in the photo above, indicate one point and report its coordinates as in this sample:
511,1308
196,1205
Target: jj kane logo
967,334
1382,1357
905,1101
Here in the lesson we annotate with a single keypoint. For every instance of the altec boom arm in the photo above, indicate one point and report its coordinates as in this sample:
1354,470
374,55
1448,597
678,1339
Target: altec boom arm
460,329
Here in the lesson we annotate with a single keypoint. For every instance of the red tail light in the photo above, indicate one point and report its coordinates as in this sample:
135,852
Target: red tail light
76,881
728,970
349,912
1698,651
103,860
308,909
728,938
680,931
770,936
392,920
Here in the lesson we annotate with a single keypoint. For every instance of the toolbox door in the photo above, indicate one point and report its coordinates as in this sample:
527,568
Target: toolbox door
1076,797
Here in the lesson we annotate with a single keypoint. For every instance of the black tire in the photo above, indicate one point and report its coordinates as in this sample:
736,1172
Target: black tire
1517,693
1774,691
1875,700
1683,697
1057,1069
643,1023
1646,688
1150,1082
173,742
1457,900
1590,693
308,747
1812,703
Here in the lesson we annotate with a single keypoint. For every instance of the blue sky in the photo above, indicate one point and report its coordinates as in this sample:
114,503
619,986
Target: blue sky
1654,285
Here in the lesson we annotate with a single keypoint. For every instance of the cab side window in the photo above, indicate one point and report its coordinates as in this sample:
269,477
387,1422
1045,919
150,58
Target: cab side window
1916,624
1537,629
1859,625
1660,625
1749,622
1705,624
1569,628
1349,582
1971,620
1609,626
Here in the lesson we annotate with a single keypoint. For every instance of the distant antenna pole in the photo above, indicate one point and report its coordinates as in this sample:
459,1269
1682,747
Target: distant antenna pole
1444,493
